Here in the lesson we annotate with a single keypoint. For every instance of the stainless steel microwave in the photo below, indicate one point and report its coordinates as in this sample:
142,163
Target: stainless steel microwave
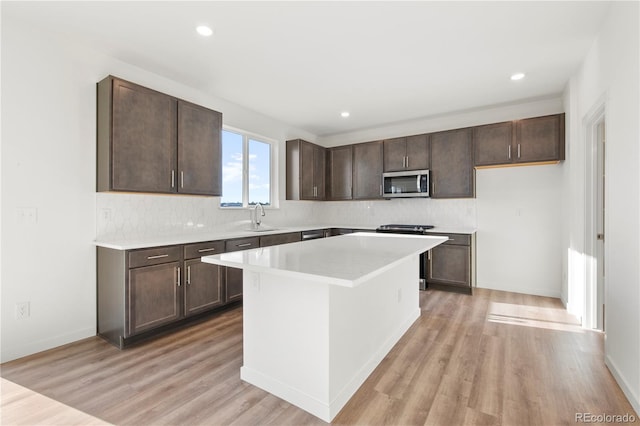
413,183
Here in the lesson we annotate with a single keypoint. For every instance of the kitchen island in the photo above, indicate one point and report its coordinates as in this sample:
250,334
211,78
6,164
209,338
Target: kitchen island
319,316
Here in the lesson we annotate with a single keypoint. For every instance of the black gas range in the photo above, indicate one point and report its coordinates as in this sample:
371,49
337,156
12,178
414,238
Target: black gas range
395,228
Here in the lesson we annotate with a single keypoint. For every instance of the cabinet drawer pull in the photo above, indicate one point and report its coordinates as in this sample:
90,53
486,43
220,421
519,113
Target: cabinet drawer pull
206,250
159,256
244,245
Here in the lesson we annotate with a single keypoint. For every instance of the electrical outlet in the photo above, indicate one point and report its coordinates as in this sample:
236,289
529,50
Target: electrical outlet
105,214
22,310
27,215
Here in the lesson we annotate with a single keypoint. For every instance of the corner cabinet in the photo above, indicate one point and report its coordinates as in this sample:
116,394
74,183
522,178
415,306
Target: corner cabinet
148,141
305,170
452,174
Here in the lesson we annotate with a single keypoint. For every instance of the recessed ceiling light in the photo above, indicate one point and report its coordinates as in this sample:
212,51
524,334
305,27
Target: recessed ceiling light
517,76
204,31
344,114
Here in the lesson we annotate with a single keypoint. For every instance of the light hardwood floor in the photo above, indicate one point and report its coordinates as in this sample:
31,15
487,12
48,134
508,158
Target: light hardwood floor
494,358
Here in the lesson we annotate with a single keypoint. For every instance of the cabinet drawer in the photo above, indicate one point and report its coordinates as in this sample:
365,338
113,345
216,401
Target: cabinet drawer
272,240
454,239
194,251
154,256
242,244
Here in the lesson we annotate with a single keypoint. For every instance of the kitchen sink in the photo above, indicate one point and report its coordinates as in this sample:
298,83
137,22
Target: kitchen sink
262,229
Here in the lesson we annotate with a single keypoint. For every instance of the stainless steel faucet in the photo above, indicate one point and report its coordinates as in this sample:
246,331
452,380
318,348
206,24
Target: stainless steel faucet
255,219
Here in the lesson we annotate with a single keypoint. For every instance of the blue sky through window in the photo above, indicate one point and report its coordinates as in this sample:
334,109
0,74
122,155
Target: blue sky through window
259,173
259,176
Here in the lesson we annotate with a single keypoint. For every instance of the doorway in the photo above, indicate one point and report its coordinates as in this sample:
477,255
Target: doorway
595,215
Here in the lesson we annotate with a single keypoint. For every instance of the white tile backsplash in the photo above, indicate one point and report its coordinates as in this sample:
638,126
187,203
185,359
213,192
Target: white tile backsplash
121,215
420,211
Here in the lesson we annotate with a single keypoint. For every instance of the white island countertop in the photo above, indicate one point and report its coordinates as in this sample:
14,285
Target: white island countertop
346,260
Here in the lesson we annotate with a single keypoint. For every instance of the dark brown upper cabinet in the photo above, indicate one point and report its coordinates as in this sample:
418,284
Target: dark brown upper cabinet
540,139
493,143
532,140
148,141
305,170
367,170
406,153
340,173
452,173
199,150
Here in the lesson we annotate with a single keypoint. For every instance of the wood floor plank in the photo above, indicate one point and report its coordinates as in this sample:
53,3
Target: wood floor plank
494,358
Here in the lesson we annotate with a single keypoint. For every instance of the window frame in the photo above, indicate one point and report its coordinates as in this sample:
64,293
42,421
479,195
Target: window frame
273,164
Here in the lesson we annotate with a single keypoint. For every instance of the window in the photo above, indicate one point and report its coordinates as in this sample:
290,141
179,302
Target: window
246,170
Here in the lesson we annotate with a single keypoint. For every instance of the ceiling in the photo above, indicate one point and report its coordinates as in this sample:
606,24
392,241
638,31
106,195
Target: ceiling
303,62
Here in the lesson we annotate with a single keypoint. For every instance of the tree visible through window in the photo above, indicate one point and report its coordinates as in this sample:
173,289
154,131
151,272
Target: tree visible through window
246,170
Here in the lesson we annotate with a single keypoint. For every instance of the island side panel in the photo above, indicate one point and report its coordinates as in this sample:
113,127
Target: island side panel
286,339
365,323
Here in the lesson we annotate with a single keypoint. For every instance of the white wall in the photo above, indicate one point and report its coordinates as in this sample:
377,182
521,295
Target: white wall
519,243
48,163
610,74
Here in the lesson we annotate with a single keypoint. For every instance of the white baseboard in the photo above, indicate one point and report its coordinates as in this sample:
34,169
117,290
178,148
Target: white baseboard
11,352
634,399
524,290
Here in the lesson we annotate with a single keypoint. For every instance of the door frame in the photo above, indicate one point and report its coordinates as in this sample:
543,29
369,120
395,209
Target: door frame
594,296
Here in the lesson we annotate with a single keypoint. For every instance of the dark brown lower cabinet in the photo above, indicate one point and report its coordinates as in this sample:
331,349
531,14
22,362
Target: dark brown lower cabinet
141,292
451,265
153,296
233,284
203,288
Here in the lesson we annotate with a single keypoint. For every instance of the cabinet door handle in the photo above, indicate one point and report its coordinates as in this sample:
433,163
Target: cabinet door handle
178,268
509,153
181,179
244,245
159,256
173,178
518,150
206,250
407,157
189,274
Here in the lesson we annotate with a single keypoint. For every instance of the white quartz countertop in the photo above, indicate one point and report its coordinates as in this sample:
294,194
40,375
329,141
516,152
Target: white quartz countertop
145,241
346,260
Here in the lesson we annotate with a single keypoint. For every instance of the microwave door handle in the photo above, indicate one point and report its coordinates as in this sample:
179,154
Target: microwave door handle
418,183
